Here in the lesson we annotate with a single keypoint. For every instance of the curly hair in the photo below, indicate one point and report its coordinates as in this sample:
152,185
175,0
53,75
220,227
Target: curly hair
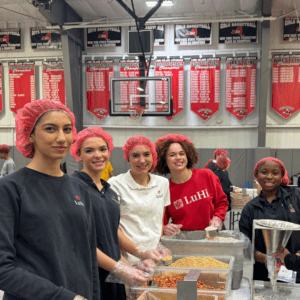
162,149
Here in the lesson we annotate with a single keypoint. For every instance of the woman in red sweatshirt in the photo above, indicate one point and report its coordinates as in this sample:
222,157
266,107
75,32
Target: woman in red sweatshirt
197,198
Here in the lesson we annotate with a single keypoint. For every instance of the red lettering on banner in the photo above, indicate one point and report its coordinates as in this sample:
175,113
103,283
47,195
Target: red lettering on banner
21,85
98,76
205,87
174,69
286,85
241,86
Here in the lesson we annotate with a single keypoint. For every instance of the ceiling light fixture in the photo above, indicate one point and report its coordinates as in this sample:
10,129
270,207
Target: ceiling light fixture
152,3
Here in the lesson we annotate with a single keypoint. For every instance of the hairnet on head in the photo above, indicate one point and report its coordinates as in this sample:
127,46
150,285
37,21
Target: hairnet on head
140,140
208,163
220,151
90,132
4,148
285,179
222,162
27,118
173,138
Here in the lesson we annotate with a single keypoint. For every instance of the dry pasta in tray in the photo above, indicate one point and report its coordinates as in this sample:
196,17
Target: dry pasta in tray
199,262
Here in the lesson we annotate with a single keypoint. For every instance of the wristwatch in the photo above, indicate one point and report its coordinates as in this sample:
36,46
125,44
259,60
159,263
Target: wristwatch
77,297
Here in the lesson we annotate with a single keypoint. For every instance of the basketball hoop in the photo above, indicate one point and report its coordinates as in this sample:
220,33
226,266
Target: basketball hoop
136,114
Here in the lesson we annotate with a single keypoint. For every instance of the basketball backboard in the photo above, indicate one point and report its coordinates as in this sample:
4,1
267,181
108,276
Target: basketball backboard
130,94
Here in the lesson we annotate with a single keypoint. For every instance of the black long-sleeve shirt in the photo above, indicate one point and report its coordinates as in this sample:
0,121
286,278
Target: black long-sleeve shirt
226,184
47,238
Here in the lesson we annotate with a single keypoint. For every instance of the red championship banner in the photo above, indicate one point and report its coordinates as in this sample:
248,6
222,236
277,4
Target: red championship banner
205,87
21,85
175,69
54,82
1,97
98,74
286,84
129,90
241,86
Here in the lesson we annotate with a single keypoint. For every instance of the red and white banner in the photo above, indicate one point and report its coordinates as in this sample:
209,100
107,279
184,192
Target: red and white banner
98,74
129,90
1,97
286,84
54,82
205,87
175,69
21,85
241,86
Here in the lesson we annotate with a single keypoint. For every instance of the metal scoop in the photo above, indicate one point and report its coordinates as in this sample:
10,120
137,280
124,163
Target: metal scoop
211,232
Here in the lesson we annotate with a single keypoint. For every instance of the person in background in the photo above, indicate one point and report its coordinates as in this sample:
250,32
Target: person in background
93,148
211,163
222,165
197,198
143,197
277,201
47,231
8,165
107,172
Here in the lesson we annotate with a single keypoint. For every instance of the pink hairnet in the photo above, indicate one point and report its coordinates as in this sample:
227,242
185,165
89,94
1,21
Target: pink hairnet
222,162
89,133
173,138
208,163
285,179
4,148
140,140
27,118
220,151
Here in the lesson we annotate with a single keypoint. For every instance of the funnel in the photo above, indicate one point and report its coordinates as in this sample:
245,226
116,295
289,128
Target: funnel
276,233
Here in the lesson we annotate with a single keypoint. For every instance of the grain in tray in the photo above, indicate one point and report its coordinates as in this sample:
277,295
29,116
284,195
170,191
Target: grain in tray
199,262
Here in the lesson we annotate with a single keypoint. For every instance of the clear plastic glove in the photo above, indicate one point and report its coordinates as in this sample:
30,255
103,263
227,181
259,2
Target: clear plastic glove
147,265
164,251
281,253
216,222
148,254
172,229
122,273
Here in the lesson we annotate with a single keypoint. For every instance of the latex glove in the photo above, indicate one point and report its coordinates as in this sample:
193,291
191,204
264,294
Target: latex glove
172,229
216,222
260,257
164,251
147,265
129,275
281,253
148,254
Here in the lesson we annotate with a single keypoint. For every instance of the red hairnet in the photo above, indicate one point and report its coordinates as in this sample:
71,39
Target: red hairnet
222,162
89,133
285,179
173,138
27,118
220,151
140,140
4,148
208,163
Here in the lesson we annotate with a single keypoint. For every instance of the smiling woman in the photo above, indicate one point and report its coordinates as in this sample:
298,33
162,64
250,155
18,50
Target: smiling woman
277,202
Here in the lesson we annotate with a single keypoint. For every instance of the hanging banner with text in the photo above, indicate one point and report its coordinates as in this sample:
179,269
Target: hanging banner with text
291,29
21,85
205,87
103,37
10,39
193,34
54,82
238,32
159,39
286,84
98,74
129,90
241,86
1,97
45,39
175,69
